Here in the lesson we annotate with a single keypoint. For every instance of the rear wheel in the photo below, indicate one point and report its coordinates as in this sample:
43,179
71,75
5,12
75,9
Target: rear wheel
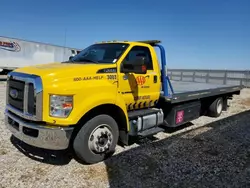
97,139
215,109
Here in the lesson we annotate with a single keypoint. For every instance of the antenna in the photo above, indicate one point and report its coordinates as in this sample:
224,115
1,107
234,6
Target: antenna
64,45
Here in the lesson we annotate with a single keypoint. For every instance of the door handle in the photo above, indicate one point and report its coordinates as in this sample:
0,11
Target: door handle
155,79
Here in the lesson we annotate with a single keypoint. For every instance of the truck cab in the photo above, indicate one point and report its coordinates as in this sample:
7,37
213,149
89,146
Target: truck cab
109,91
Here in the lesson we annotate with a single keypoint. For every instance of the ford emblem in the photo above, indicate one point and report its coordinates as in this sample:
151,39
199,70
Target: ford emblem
14,93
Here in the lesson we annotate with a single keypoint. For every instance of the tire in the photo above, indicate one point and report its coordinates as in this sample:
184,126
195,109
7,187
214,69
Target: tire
85,144
215,109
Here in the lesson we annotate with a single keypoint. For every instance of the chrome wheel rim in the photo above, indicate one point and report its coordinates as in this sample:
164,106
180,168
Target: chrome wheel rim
100,139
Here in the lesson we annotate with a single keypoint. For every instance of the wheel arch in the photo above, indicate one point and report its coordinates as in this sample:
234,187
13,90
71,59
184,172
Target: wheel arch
109,109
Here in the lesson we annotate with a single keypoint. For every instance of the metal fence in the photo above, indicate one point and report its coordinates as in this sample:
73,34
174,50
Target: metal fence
224,77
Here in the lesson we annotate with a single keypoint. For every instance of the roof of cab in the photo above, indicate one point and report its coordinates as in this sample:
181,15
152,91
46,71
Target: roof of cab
150,42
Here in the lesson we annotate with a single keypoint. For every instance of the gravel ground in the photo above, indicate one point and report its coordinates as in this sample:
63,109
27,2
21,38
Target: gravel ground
207,153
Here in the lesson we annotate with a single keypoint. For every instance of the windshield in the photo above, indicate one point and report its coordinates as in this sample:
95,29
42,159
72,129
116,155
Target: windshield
100,53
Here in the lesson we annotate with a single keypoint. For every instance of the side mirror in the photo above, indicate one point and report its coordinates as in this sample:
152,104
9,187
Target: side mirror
70,57
136,66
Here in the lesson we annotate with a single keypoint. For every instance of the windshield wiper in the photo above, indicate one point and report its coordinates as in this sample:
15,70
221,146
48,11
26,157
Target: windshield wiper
89,60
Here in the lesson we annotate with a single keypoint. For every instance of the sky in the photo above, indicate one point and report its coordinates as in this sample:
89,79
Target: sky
202,34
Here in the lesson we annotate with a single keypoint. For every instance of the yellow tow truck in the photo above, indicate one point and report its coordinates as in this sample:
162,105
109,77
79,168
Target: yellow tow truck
110,91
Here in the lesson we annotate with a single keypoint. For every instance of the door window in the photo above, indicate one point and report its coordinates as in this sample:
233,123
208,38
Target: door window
140,51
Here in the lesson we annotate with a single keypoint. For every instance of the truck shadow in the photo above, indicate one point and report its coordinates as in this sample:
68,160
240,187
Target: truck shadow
42,155
64,157
153,138
215,155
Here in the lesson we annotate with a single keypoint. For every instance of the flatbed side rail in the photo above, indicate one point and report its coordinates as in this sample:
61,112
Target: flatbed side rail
194,95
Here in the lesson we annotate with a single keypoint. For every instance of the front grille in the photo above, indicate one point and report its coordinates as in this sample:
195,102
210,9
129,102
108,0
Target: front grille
24,95
17,85
18,101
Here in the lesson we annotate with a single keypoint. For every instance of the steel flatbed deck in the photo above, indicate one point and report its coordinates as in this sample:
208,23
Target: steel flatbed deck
187,91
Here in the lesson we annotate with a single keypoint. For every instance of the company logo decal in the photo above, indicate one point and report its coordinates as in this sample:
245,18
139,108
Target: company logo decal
140,80
14,93
179,117
10,46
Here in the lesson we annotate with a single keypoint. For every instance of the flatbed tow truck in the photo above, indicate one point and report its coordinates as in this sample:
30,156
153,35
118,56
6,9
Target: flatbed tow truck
110,91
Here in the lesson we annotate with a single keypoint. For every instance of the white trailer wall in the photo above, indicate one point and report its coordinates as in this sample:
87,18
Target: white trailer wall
16,53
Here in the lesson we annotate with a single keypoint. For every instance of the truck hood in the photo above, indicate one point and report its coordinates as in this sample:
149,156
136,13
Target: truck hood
64,70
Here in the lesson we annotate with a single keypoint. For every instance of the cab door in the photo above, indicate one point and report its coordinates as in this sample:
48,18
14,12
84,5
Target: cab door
140,90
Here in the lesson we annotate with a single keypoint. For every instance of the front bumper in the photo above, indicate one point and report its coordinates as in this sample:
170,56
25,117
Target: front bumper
41,136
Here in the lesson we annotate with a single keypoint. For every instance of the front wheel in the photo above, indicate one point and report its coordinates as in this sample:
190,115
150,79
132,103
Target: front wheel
97,139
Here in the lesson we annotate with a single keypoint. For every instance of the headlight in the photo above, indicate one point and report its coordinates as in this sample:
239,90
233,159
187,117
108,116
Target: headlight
60,106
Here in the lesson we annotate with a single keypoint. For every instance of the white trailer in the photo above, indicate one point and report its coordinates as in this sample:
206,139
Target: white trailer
15,53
